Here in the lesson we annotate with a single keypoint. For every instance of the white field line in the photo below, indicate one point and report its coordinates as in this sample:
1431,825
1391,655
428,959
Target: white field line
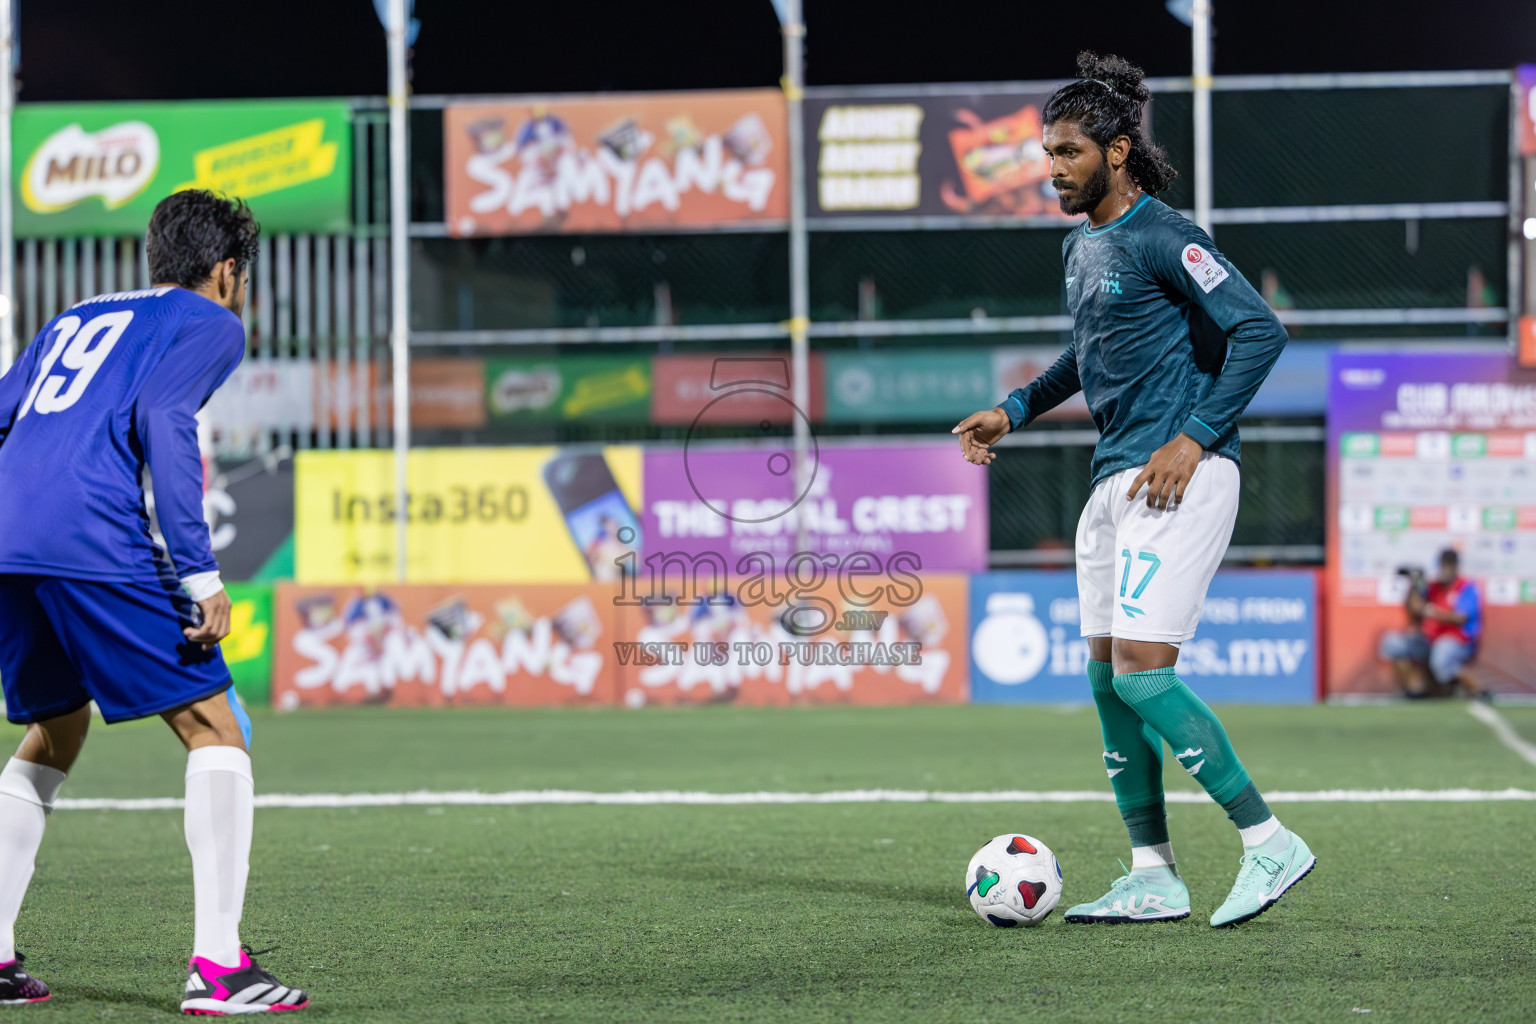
473,798
1503,730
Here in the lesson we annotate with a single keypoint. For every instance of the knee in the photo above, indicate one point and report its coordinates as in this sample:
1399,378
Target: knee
1445,660
1395,646
56,742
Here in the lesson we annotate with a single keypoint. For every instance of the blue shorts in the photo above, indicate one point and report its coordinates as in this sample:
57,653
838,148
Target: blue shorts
64,643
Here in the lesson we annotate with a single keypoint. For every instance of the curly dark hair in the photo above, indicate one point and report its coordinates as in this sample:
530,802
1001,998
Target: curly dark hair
192,232
1106,102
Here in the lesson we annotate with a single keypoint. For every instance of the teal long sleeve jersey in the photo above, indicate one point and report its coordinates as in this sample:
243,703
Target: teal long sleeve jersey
1154,308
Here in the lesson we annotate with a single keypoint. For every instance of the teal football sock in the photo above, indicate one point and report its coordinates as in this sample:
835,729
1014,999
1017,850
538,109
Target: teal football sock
1133,756
1198,740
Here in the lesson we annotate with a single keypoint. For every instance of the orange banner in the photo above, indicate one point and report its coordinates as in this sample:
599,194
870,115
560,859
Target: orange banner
910,653
423,645
653,160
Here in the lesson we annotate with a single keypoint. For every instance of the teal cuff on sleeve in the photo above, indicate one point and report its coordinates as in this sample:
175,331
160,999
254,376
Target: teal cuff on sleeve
1015,410
1196,428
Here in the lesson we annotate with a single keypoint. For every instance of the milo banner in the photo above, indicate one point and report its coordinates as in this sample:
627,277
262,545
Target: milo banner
1428,451
100,168
615,163
566,389
519,515
974,152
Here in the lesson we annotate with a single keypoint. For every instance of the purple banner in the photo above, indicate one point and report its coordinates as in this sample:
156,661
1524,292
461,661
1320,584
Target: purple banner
1411,391
883,499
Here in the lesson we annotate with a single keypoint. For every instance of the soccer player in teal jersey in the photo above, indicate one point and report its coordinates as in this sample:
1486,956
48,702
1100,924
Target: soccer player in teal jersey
1155,307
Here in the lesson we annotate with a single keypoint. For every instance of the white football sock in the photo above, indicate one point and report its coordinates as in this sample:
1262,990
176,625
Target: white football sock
1158,856
1258,835
27,791
221,807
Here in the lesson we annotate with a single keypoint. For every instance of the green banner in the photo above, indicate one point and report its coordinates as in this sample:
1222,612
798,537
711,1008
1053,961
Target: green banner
248,648
100,168
922,385
607,388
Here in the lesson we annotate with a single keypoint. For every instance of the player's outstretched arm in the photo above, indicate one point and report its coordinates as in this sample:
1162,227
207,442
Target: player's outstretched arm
979,431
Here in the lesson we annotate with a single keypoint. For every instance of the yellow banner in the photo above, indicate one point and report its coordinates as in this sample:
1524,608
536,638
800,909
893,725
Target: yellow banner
265,163
475,515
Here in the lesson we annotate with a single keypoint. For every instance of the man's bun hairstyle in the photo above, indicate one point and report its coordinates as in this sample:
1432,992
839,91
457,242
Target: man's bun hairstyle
1106,102
193,231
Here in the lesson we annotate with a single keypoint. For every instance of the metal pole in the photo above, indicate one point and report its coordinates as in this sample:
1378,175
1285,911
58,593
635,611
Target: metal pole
799,274
7,221
1200,72
399,240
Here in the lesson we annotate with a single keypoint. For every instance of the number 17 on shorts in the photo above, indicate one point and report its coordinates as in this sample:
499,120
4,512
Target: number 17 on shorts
1142,573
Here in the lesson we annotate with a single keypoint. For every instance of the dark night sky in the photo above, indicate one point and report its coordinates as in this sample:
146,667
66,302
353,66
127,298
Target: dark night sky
158,49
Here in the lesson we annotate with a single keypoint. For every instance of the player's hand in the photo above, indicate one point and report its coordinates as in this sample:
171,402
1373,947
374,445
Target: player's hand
1168,472
215,624
979,432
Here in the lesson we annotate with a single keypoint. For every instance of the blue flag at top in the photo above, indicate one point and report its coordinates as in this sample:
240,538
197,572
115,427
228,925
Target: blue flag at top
413,26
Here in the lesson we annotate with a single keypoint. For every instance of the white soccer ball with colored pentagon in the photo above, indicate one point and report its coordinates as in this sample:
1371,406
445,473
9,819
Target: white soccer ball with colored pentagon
1013,880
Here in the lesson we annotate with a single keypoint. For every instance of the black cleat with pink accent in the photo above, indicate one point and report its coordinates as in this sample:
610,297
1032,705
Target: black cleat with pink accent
17,986
245,988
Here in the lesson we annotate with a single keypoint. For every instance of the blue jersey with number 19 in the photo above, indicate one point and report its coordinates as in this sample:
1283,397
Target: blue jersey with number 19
112,385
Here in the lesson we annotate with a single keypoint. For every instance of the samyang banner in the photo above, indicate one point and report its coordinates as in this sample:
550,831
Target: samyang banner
649,161
100,168
974,152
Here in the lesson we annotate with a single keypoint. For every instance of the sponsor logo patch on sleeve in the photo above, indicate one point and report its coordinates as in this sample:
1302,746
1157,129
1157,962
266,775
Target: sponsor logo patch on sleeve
1203,267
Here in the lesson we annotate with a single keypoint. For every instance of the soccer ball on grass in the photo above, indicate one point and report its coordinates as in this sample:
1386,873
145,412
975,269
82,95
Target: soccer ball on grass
1013,880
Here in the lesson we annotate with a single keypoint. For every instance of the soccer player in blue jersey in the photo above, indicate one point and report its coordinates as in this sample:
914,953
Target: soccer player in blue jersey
91,609
1155,307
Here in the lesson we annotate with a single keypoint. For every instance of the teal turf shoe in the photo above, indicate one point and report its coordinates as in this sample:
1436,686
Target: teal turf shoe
1267,872
1150,894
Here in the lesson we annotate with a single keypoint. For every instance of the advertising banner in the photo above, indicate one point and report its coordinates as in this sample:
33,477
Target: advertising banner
100,168
447,393
906,646
1428,451
249,507
740,389
519,515
914,386
1525,108
248,648
432,646
919,502
971,154
1257,642
640,162
563,389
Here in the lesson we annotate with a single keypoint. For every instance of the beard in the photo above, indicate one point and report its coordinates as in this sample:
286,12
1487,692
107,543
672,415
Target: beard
1081,199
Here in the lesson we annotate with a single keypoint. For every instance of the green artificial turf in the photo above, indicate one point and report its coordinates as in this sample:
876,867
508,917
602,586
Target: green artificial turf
792,913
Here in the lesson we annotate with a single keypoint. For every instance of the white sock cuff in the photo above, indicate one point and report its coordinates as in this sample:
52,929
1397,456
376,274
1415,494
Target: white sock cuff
1158,856
220,759
1254,835
35,783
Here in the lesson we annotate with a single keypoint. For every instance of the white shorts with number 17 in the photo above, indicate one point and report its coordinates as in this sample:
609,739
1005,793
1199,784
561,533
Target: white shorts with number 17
1142,573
